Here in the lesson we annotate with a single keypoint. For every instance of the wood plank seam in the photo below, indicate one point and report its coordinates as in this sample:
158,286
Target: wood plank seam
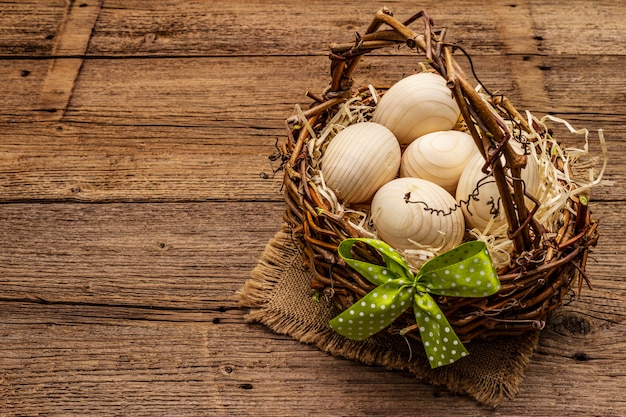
72,41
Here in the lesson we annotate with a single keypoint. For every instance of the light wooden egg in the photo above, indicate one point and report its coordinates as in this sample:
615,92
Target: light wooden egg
413,209
478,194
438,157
359,159
416,105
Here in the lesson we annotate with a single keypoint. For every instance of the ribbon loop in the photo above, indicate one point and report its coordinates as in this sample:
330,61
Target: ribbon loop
376,274
465,271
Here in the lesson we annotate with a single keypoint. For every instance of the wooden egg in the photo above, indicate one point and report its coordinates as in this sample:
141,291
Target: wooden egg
478,194
438,157
408,210
416,105
359,159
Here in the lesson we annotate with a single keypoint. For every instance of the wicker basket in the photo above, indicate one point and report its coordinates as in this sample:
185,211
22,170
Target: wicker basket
545,262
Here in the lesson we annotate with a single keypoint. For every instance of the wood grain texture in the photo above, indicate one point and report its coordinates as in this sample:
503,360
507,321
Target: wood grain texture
130,254
129,220
166,255
28,28
78,360
188,28
138,131
93,162
71,40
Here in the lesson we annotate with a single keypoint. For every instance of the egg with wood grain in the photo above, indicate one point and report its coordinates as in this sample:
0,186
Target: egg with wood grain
412,212
359,160
438,157
416,105
478,195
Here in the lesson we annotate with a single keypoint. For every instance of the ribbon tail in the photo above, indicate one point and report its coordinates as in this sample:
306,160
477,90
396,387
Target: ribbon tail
375,311
441,343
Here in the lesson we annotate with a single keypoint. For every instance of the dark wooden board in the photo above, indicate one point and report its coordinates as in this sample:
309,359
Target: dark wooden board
159,130
179,254
191,28
86,360
133,204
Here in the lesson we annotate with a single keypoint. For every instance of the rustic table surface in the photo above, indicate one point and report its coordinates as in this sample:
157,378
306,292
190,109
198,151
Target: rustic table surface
133,202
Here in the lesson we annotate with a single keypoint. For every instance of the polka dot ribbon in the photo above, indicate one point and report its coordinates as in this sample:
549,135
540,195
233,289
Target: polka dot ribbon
465,271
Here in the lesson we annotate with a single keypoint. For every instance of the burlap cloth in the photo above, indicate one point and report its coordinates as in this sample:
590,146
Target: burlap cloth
278,295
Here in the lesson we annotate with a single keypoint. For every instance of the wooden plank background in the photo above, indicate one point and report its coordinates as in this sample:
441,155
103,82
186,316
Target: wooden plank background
133,203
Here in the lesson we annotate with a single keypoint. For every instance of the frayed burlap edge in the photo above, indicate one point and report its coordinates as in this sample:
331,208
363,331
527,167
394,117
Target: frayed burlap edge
277,294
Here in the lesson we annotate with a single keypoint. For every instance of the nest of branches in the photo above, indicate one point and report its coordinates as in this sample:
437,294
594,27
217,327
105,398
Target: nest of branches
540,255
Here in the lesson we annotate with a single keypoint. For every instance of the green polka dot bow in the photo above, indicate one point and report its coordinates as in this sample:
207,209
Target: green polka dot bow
465,271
